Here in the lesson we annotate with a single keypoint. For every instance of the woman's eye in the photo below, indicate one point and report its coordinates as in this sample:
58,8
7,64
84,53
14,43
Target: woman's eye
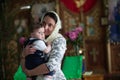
43,23
50,25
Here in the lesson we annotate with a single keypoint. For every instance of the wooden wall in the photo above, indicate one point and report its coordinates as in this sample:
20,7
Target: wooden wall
10,34
95,44
96,55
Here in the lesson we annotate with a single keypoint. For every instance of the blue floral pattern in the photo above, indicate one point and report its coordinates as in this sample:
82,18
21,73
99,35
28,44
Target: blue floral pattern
56,57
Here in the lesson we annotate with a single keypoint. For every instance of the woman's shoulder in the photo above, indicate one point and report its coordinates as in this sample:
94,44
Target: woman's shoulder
60,39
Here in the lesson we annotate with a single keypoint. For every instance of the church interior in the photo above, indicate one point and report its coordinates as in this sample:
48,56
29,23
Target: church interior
98,50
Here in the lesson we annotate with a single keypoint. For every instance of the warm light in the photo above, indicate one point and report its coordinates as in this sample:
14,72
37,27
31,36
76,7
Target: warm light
25,7
80,51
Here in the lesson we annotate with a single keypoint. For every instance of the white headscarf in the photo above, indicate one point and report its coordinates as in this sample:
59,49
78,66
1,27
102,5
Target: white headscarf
55,34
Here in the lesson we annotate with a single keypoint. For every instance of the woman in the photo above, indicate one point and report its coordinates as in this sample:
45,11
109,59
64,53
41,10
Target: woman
52,25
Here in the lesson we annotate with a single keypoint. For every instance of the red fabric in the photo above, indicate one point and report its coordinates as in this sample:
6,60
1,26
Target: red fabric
70,4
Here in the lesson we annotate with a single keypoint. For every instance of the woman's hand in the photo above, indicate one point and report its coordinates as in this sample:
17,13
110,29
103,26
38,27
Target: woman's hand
39,70
28,50
27,72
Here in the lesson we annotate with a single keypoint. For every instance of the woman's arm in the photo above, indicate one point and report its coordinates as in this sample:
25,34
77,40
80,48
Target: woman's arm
56,56
40,70
26,51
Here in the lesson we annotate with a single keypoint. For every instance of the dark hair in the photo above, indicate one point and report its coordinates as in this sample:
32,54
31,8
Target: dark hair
52,15
37,26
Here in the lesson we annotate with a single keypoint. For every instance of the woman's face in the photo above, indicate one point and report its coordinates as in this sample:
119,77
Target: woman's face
49,25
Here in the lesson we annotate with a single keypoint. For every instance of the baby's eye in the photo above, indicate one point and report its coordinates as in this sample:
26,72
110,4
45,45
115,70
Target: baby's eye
41,33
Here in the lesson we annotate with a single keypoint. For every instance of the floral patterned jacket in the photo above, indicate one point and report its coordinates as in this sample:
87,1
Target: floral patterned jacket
56,57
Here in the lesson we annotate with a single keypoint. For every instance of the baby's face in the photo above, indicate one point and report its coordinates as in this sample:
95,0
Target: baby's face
39,33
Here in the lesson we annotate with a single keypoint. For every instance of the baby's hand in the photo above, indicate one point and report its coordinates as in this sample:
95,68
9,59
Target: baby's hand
48,43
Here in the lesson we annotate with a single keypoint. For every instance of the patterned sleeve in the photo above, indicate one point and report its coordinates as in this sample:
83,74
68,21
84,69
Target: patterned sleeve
56,54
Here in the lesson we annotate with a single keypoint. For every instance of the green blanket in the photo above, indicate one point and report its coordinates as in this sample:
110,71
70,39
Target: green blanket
19,75
72,67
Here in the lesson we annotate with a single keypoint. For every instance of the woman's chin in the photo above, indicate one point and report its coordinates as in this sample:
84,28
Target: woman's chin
47,34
